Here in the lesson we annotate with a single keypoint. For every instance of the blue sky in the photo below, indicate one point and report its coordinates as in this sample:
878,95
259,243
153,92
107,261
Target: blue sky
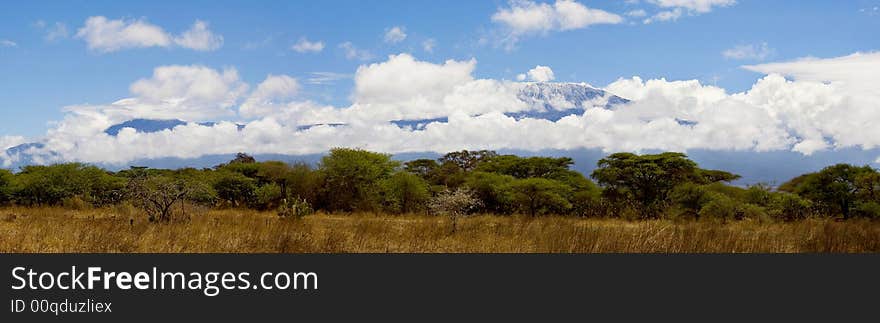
41,76
241,53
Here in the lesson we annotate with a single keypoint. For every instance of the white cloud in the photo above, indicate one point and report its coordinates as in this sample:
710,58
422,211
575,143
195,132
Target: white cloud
106,35
185,92
758,52
272,91
326,77
697,6
668,15
395,34
354,53
306,46
199,38
638,13
527,17
825,104
677,8
429,44
8,43
538,74
57,31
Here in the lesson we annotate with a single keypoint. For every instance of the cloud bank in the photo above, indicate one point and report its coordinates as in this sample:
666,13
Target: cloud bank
806,105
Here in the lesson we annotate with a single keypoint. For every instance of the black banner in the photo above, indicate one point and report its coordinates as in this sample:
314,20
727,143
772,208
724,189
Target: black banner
460,287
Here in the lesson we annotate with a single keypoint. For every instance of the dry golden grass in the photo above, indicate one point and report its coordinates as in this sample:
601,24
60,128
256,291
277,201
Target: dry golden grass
51,230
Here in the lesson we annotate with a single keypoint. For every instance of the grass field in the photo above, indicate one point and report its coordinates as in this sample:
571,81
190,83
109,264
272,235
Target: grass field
52,230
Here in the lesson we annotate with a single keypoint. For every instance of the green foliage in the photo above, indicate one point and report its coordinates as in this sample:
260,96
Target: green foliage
424,168
536,196
466,160
6,188
789,207
304,182
50,185
838,188
493,190
405,192
352,176
691,198
519,167
268,196
721,207
645,180
870,210
235,189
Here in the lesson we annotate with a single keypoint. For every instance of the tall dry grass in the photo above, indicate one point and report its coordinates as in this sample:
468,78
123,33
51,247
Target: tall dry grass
51,230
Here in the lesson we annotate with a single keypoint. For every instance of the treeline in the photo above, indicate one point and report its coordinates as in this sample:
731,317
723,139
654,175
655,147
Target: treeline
351,180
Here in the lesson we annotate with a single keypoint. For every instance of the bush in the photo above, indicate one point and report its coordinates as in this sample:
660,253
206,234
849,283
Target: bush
268,196
759,195
691,198
790,207
869,210
75,203
294,207
721,207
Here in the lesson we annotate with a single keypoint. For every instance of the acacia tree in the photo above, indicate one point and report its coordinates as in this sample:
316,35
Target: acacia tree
352,178
540,195
158,194
838,188
405,192
647,180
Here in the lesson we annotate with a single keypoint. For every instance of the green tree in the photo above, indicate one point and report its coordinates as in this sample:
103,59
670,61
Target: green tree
6,179
493,191
519,167
50,185
235,189
836,188
405,192
467,160
540,195
424,168
352,178
647,180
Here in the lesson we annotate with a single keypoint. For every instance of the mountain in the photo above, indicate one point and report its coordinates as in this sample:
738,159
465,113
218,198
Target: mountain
547,100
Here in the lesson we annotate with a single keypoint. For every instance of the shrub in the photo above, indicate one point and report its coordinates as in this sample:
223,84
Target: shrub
789,207
691,198
294,207
75,203
268,196
721,208
869,210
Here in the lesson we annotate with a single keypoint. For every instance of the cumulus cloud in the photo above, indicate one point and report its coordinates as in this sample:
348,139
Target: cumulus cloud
395,34
110,35
527,17
274,89
199,37
805,105
758,52
306,46
193,93
537,74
